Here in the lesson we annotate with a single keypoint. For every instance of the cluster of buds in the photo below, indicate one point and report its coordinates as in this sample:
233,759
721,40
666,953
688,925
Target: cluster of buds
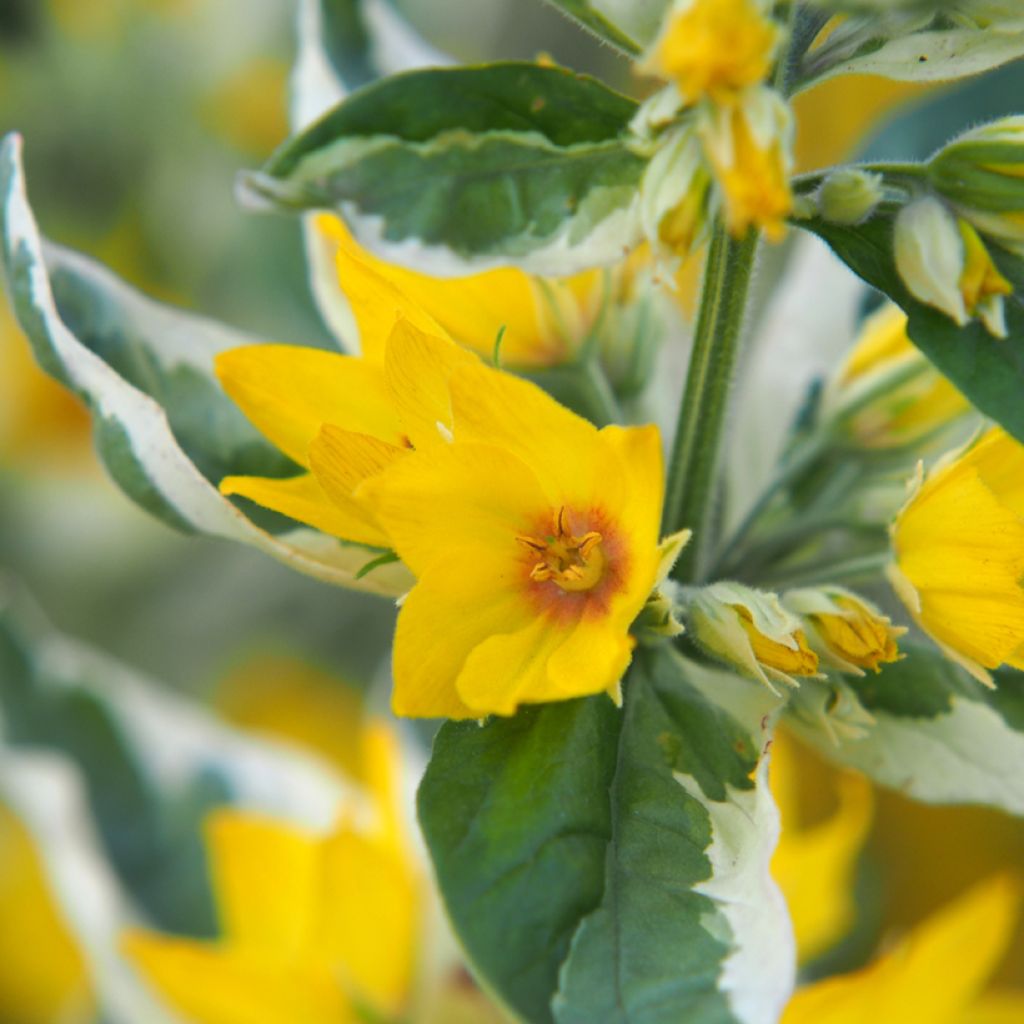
780,640
948,240
723,137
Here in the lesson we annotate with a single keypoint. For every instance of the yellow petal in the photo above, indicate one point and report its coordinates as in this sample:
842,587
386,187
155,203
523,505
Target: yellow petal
511,668
288,392
932,975
265,876
456,511
378,301
417,368
285,696
963,552
500,409
592,659
368,914
425,670
214,985
43,975
341,461
471,310
815,866
381,758
997,1008
835,115
302,498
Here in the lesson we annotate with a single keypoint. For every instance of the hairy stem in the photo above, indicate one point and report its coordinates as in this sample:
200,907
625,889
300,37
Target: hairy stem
690,495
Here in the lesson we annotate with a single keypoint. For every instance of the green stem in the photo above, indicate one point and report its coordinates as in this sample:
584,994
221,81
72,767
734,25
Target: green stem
863,567
690,494
794,463
601,398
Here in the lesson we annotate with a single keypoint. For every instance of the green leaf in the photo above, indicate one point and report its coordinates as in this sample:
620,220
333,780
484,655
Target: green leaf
344,44
163,427
630,25
610,865
938,735
935,55
465,167
988,370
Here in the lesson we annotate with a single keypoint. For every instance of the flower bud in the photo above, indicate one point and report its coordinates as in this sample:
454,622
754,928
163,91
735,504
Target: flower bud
749,146
674,193
847,632
850,195
752,631
714,48
944,263
982,174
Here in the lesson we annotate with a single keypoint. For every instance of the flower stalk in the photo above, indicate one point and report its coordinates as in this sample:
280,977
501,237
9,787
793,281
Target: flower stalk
691,491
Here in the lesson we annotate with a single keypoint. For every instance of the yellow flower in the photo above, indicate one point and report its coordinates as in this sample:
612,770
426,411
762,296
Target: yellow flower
847,631
543,320
936,975
43,975
887,394
714,48
533,535
826,815
749,147
314,927
752,631
534,541
958,546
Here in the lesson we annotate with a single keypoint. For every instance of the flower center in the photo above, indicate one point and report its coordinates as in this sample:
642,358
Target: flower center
572,563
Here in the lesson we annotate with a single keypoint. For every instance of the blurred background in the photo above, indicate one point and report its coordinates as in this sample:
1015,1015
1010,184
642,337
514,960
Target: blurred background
137,115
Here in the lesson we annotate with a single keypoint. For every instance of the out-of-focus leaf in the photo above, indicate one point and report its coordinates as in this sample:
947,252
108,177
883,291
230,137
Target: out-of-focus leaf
935,55
152,765
456,169
939,735
145,372
612,865
988,370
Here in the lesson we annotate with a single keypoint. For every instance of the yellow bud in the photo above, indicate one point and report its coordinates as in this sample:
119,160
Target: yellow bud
750,630
749,147
795,660
849,632
714,48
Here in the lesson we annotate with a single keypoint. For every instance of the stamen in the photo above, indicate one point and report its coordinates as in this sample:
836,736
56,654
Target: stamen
572,563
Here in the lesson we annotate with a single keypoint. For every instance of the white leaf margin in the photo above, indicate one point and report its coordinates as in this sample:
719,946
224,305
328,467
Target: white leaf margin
315,89
759,974
170,472
935,56
969,754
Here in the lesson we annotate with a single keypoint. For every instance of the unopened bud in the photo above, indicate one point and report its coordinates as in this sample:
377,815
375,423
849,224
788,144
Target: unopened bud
847,632
751,630
850,195
944,263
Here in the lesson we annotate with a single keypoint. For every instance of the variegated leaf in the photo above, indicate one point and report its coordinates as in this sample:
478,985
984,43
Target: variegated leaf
163,428
938,735
612,865
455,170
